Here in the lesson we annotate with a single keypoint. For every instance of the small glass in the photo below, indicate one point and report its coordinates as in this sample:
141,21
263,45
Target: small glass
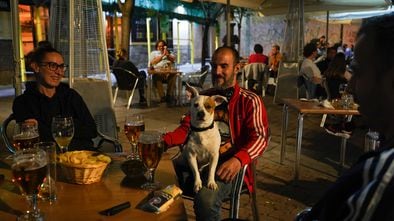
25,135
150,149
29,169
62,132
133,126
48,187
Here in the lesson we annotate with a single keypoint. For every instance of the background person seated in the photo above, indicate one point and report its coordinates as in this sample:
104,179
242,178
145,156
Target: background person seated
47,97
162,58
122,62
258,56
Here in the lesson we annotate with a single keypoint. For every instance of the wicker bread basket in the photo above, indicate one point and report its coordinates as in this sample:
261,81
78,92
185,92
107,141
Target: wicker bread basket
83,173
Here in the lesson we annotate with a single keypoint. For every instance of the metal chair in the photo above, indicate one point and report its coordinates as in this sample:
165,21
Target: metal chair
196,79
256,72
237,190
97,96
125,80
4,134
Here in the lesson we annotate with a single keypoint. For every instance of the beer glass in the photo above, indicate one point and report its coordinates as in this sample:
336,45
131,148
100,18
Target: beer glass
47,190
150,149
133,126
25,135
29,168
62,132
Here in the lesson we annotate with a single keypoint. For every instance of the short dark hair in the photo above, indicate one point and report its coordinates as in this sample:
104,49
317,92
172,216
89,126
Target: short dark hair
39,53
233,51
309,49
258,48
160,41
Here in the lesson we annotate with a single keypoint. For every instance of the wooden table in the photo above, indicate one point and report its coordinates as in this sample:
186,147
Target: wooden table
83,202
307,107
163,71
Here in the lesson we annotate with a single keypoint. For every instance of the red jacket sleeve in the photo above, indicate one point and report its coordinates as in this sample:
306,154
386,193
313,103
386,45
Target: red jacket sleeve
179,135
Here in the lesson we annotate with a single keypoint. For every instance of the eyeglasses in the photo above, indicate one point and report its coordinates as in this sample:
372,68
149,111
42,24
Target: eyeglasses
54,66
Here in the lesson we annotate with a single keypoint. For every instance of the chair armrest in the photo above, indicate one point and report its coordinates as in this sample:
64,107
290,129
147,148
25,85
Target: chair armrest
104,138
3,131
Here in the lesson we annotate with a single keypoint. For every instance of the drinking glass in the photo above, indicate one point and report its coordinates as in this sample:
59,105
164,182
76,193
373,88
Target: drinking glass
29,168
25,135
133,126
150,149
47,190
62,132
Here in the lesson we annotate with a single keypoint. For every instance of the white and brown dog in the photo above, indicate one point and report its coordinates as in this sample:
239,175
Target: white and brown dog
203,143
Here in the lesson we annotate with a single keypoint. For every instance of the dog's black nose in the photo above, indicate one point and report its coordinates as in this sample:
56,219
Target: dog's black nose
200,115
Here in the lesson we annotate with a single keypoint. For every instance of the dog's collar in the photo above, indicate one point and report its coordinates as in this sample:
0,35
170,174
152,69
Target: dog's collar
198,129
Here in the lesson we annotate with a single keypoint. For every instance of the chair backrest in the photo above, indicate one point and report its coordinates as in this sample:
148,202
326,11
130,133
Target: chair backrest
4,132
203,76
125,79
98,98
254,71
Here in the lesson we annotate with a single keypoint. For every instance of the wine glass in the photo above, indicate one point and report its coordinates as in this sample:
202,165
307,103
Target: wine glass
25,135
29,168
62,131
150,149
133,126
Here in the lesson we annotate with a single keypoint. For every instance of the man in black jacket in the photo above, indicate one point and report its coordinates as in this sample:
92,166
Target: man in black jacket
122,62
48,97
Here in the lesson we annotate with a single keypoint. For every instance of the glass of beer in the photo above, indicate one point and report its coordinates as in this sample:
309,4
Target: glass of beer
62,132
150,149
25,135
133,126
29,168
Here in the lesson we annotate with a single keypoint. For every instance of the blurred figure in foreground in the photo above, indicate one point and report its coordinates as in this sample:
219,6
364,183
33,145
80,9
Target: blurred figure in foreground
365,192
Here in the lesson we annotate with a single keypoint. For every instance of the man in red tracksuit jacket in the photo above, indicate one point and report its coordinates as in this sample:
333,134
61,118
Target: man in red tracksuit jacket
244,132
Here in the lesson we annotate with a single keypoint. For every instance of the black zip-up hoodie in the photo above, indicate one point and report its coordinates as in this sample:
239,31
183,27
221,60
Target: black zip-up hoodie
66,102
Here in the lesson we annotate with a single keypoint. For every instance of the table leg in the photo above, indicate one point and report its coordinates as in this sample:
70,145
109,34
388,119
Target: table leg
285,118
149,92
179,79
342,155
298,145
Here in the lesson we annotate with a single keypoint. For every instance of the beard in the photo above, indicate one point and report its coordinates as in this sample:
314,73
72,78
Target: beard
223,83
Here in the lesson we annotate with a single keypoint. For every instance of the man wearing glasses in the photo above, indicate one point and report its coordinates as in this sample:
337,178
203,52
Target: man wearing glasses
47,97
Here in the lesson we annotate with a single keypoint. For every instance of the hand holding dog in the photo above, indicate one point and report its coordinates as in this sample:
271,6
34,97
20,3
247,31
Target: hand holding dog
229,169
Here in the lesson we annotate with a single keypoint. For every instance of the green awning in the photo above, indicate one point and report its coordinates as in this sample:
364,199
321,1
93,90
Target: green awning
173,8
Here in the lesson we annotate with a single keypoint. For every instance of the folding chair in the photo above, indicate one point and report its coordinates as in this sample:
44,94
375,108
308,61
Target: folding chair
196,79
256,72
125,80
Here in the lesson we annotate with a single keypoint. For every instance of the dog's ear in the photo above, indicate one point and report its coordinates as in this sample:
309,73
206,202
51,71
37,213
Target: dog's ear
218,99
192,90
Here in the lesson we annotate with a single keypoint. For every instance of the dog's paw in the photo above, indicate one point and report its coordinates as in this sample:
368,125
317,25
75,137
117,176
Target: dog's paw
212,185
197,186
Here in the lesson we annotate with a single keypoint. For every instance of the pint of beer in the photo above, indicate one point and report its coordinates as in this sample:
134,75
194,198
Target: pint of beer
150,148
25,135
